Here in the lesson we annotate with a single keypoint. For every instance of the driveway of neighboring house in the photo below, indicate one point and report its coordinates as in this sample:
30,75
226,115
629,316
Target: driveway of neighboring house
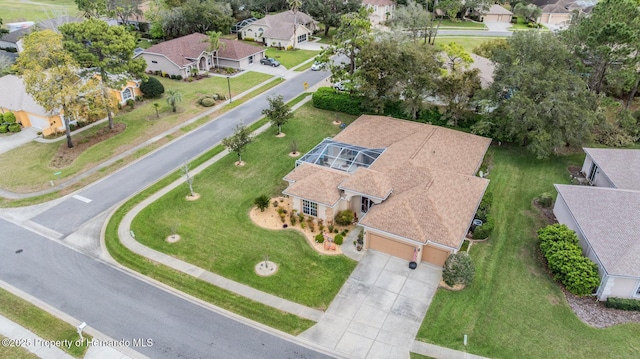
379,310
498,26
14,140
266,69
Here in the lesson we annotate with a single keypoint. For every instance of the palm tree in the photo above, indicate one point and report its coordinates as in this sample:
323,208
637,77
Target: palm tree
174,98
294,5
214,44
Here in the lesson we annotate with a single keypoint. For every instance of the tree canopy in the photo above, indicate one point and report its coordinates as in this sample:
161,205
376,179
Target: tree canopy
237,142
328,12
539,99
278,113
192,16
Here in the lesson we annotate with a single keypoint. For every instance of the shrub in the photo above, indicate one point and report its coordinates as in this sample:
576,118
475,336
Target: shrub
262,202
207,101
131,103
319,238
178,77
485,206
555,233
545,200
328,99
583,277
344,218
293,218
484,231
302,225
9,117
331,227
173,77
458,269
275,203
190,79
4,128
338,239
14,127
312,226
301,217
152,88
622,303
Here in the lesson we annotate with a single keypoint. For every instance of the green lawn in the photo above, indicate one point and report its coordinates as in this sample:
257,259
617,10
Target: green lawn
467,25
15,352
35,10
327,39
290,58
38,321
522,25
513,309
468,42
30,163
218,234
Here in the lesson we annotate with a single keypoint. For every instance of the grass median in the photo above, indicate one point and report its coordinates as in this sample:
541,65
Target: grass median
514,309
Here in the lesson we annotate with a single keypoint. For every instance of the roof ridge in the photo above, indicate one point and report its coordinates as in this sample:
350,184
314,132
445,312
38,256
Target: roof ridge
424,142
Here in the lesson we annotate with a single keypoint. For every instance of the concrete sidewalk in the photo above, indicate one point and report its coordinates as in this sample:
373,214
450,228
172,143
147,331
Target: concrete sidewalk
20,336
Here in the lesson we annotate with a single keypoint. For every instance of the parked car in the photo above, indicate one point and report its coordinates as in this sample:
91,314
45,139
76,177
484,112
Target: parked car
270,61
317,66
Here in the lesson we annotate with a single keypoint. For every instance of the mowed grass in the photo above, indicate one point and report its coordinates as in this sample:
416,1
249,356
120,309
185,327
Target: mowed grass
467,42
30,164
290,58
40,322
13,352
514,309
467,25
218,235
36,10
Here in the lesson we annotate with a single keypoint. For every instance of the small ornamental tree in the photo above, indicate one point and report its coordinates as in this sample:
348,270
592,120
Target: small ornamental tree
237,142
458,269
344,218
278,112
262,202
174,98
152,88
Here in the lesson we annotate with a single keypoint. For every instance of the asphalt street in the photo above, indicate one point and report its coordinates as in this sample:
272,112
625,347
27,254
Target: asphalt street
123,307
69,215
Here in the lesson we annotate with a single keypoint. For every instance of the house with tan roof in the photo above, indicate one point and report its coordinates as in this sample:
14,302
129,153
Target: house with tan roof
381,10
497,13
179,56
278,30
606,218
412,185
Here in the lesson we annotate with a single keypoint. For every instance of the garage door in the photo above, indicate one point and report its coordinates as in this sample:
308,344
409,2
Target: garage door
434,255
38,121
389,246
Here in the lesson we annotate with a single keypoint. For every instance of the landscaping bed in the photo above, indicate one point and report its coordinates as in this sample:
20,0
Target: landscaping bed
218,235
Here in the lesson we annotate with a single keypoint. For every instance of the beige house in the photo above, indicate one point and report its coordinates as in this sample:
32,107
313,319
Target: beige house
381,10
412,186
497,13
179,56
606,218
555,14
278,30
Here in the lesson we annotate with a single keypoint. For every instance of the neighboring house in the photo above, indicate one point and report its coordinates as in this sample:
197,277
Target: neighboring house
130,90
179,56
382,10
412,185
14,98
555,14
277,30
497,13
14,39
606,218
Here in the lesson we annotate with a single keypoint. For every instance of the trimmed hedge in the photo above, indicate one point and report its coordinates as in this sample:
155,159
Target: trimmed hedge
622,303
458,269
559,245
484,231
9,117
344,218
327,98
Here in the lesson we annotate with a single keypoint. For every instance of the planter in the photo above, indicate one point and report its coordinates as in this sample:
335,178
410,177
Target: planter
358,247
413,265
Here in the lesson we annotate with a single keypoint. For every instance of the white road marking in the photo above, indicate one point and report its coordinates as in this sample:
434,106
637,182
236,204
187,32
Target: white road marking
83,199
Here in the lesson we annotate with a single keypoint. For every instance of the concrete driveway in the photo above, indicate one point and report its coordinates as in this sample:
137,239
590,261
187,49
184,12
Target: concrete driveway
14,140
266,69
378,311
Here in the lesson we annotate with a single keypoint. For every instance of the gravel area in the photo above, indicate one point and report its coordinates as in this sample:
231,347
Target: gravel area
594,313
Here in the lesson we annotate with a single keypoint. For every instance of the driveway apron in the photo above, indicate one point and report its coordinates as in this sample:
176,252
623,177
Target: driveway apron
378,311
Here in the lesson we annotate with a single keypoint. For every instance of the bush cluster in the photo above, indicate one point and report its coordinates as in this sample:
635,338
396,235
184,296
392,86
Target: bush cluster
484,231
344,218
559,245
338,239
152,88
458,269
319,238
623,303
545,200
207,101
8,123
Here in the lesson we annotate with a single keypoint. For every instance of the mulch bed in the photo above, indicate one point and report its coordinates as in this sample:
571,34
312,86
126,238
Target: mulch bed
65,155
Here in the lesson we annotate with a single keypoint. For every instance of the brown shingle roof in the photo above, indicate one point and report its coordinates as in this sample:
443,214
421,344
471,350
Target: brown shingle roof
280,26
610,220
315,183
555,9
378,2
430,170
236,50
182,50
621,166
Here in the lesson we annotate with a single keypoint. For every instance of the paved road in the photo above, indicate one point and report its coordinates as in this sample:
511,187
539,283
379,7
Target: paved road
66,217
123,307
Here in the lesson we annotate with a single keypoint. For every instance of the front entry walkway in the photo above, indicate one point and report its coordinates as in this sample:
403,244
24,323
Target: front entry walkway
379,310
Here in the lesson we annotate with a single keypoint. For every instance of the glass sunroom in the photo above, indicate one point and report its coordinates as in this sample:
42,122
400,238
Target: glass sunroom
341,156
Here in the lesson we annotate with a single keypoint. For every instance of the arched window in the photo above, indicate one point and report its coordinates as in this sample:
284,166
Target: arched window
127,94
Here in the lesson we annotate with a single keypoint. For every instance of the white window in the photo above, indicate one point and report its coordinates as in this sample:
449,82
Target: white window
127,94
302,38
592,172
310,208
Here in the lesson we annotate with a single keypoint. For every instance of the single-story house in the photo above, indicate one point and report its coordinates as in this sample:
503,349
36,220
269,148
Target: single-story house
497,13
412,185
278,30
180,55
129,91
555,14
14,39
14,98
382,10
606,218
